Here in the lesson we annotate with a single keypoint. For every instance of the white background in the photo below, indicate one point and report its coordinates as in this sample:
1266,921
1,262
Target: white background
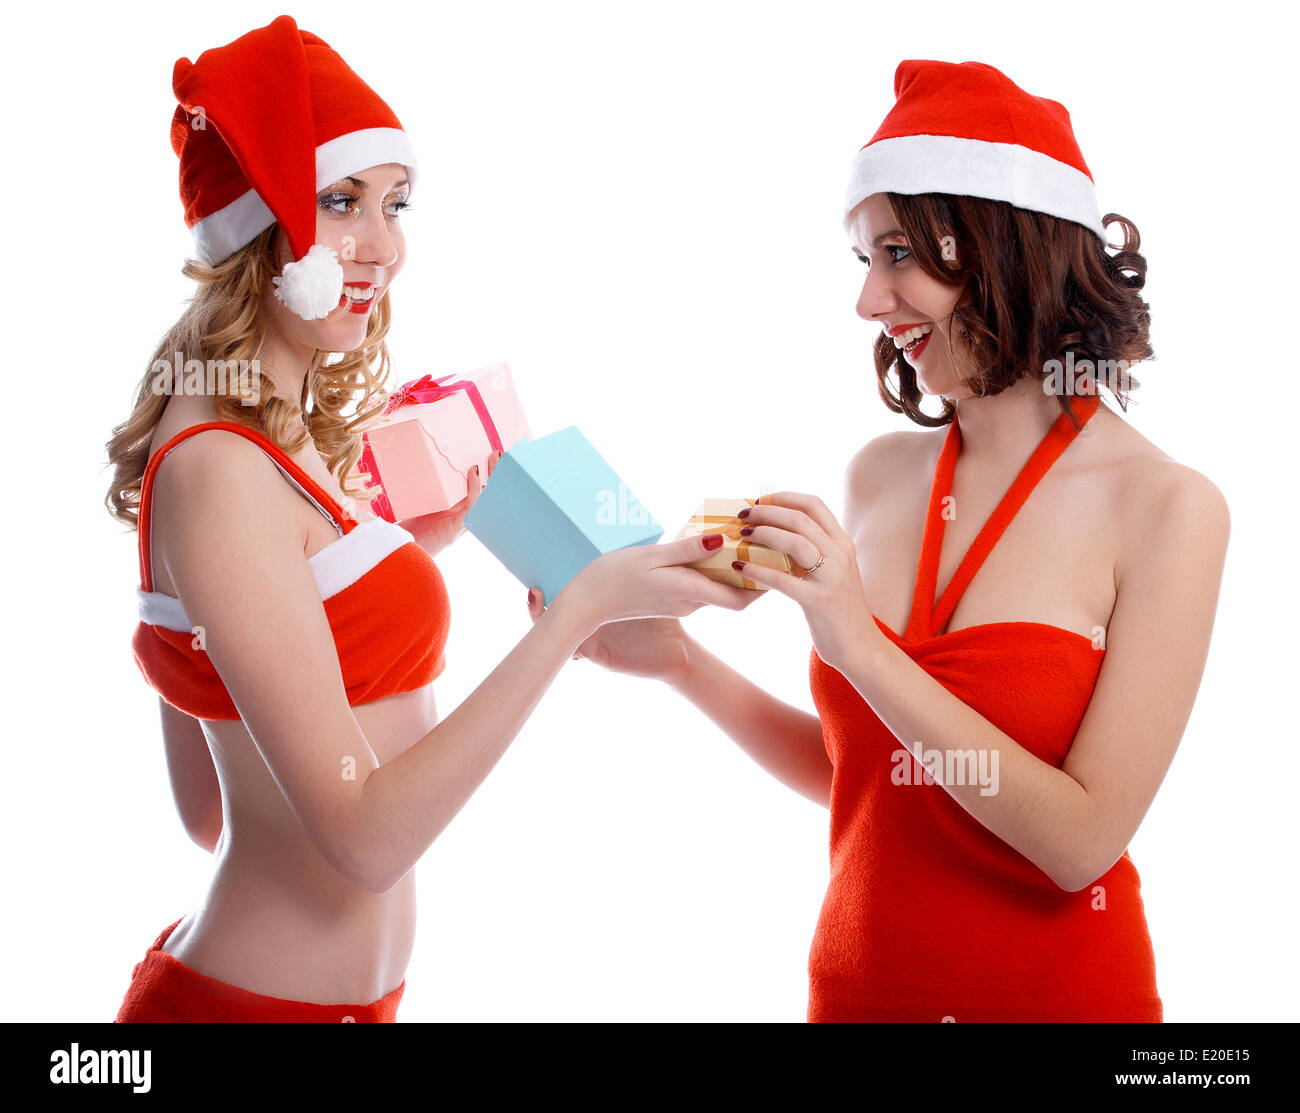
637,207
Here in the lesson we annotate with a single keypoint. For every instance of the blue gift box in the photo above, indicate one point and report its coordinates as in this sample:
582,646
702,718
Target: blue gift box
551,506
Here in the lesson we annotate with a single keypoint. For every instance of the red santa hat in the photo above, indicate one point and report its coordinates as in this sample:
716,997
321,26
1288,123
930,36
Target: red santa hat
263,124
968,129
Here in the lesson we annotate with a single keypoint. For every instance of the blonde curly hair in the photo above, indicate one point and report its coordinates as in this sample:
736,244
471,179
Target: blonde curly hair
225,321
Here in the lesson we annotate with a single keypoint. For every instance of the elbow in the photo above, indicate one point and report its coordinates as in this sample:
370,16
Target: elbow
825,783
362,856
357,857
205,840
356,866
206,833
386,882
376,878
818,791
1071,882
1076,875
366,873
361,848
372,854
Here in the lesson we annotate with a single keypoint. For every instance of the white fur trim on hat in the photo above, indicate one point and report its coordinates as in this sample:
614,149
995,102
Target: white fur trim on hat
360,149
219,235
912,164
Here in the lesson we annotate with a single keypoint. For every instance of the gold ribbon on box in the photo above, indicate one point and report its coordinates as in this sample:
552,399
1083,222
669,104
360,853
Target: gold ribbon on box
730,526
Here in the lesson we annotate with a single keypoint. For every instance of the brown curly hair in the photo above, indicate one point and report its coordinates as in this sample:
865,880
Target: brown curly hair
1035,288
225,320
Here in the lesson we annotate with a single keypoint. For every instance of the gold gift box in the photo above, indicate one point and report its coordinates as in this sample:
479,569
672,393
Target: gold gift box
719,516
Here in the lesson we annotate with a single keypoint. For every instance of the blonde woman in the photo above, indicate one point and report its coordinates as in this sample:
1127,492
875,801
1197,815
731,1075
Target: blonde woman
292,635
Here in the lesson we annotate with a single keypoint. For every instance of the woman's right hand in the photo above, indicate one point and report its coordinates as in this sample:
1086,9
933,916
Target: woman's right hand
650,647
634,598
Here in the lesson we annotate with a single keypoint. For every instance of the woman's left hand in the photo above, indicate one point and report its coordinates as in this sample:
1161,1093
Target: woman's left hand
434,532
832,597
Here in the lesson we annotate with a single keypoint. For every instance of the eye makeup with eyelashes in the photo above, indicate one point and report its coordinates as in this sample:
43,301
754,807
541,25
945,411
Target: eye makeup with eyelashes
331,198
891,247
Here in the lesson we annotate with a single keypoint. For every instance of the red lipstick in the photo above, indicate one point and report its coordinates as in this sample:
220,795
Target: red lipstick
360,307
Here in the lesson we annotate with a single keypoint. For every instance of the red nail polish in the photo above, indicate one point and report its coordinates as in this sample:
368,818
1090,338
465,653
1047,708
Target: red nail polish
744,513
746,531
713,541
738,565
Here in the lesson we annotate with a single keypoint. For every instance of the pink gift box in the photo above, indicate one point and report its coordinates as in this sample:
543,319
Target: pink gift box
434,431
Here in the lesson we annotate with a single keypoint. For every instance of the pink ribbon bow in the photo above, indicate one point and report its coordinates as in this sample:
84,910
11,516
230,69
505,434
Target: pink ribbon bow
428,389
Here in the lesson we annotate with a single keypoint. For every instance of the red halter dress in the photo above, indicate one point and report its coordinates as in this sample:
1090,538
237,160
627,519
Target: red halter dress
928,914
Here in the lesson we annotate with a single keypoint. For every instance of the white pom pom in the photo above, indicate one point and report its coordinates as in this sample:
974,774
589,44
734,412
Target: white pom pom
312,286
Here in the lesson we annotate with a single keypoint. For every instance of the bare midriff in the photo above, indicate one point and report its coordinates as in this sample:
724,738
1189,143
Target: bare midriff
278,919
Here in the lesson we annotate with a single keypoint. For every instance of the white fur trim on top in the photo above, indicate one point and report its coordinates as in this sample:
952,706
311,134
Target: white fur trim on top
336,567
218,235
343,562
912,164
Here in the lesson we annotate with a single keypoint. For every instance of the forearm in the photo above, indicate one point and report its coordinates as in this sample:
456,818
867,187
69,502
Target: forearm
784,740
408,801
1032,806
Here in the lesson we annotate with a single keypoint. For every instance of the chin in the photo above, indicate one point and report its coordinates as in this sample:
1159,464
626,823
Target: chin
935,386
941,382
342,336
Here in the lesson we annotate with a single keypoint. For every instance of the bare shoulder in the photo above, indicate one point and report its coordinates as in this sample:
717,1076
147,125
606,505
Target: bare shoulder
1164,505
884,464
213,486
209,466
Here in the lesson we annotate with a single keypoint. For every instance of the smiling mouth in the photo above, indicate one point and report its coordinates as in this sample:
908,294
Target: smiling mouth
910,340
356,299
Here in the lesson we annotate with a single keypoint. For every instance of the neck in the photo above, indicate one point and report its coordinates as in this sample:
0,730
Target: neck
288,363
1008,425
